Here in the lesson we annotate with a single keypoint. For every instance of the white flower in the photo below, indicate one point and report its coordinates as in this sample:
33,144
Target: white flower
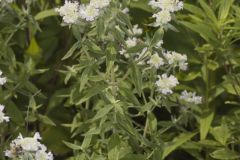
88,12
191,97
122,51
167,5
131,42
125,10
159,44
43,155
156,61
162,17
165,84
99,3
69,12
136,30
3,80
176,59
28,145
2,115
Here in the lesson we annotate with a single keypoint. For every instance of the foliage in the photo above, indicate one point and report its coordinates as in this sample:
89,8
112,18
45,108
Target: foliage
71,83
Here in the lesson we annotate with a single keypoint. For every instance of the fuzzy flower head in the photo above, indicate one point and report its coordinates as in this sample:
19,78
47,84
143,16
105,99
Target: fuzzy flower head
69,12
176,59
156,61
162,17
166,83
99,3
167,5
28,146
191,97
88,12
2,115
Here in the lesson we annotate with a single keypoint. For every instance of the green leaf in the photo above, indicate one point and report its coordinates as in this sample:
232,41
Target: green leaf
91,92
202,29
137,48
33,48
136,76
143,5
72,50
100,27
194,9
14,113
125,19
86,142
177,142
190,76
72,146
225,154
45,14
46,120
221,133
212,65
102,112
205,124
209,12
158,35
224,9
134,157
113,149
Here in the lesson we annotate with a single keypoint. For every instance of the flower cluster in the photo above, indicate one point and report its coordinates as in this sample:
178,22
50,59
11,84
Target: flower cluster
69,12
191,97
176,59
173,59
29,147
72,11
164,9
166,83
2,115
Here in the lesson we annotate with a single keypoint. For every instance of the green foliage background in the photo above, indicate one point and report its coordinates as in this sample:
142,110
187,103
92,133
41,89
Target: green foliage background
65,79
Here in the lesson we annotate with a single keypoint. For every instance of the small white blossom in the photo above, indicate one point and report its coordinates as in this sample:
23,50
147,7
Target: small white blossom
176,59
165,84
3,80
136,30
2,115
29,145
159,44
99,3
156,61
88,12
162,17
167,5
191,97
131,42
43,155
69,12
125,10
